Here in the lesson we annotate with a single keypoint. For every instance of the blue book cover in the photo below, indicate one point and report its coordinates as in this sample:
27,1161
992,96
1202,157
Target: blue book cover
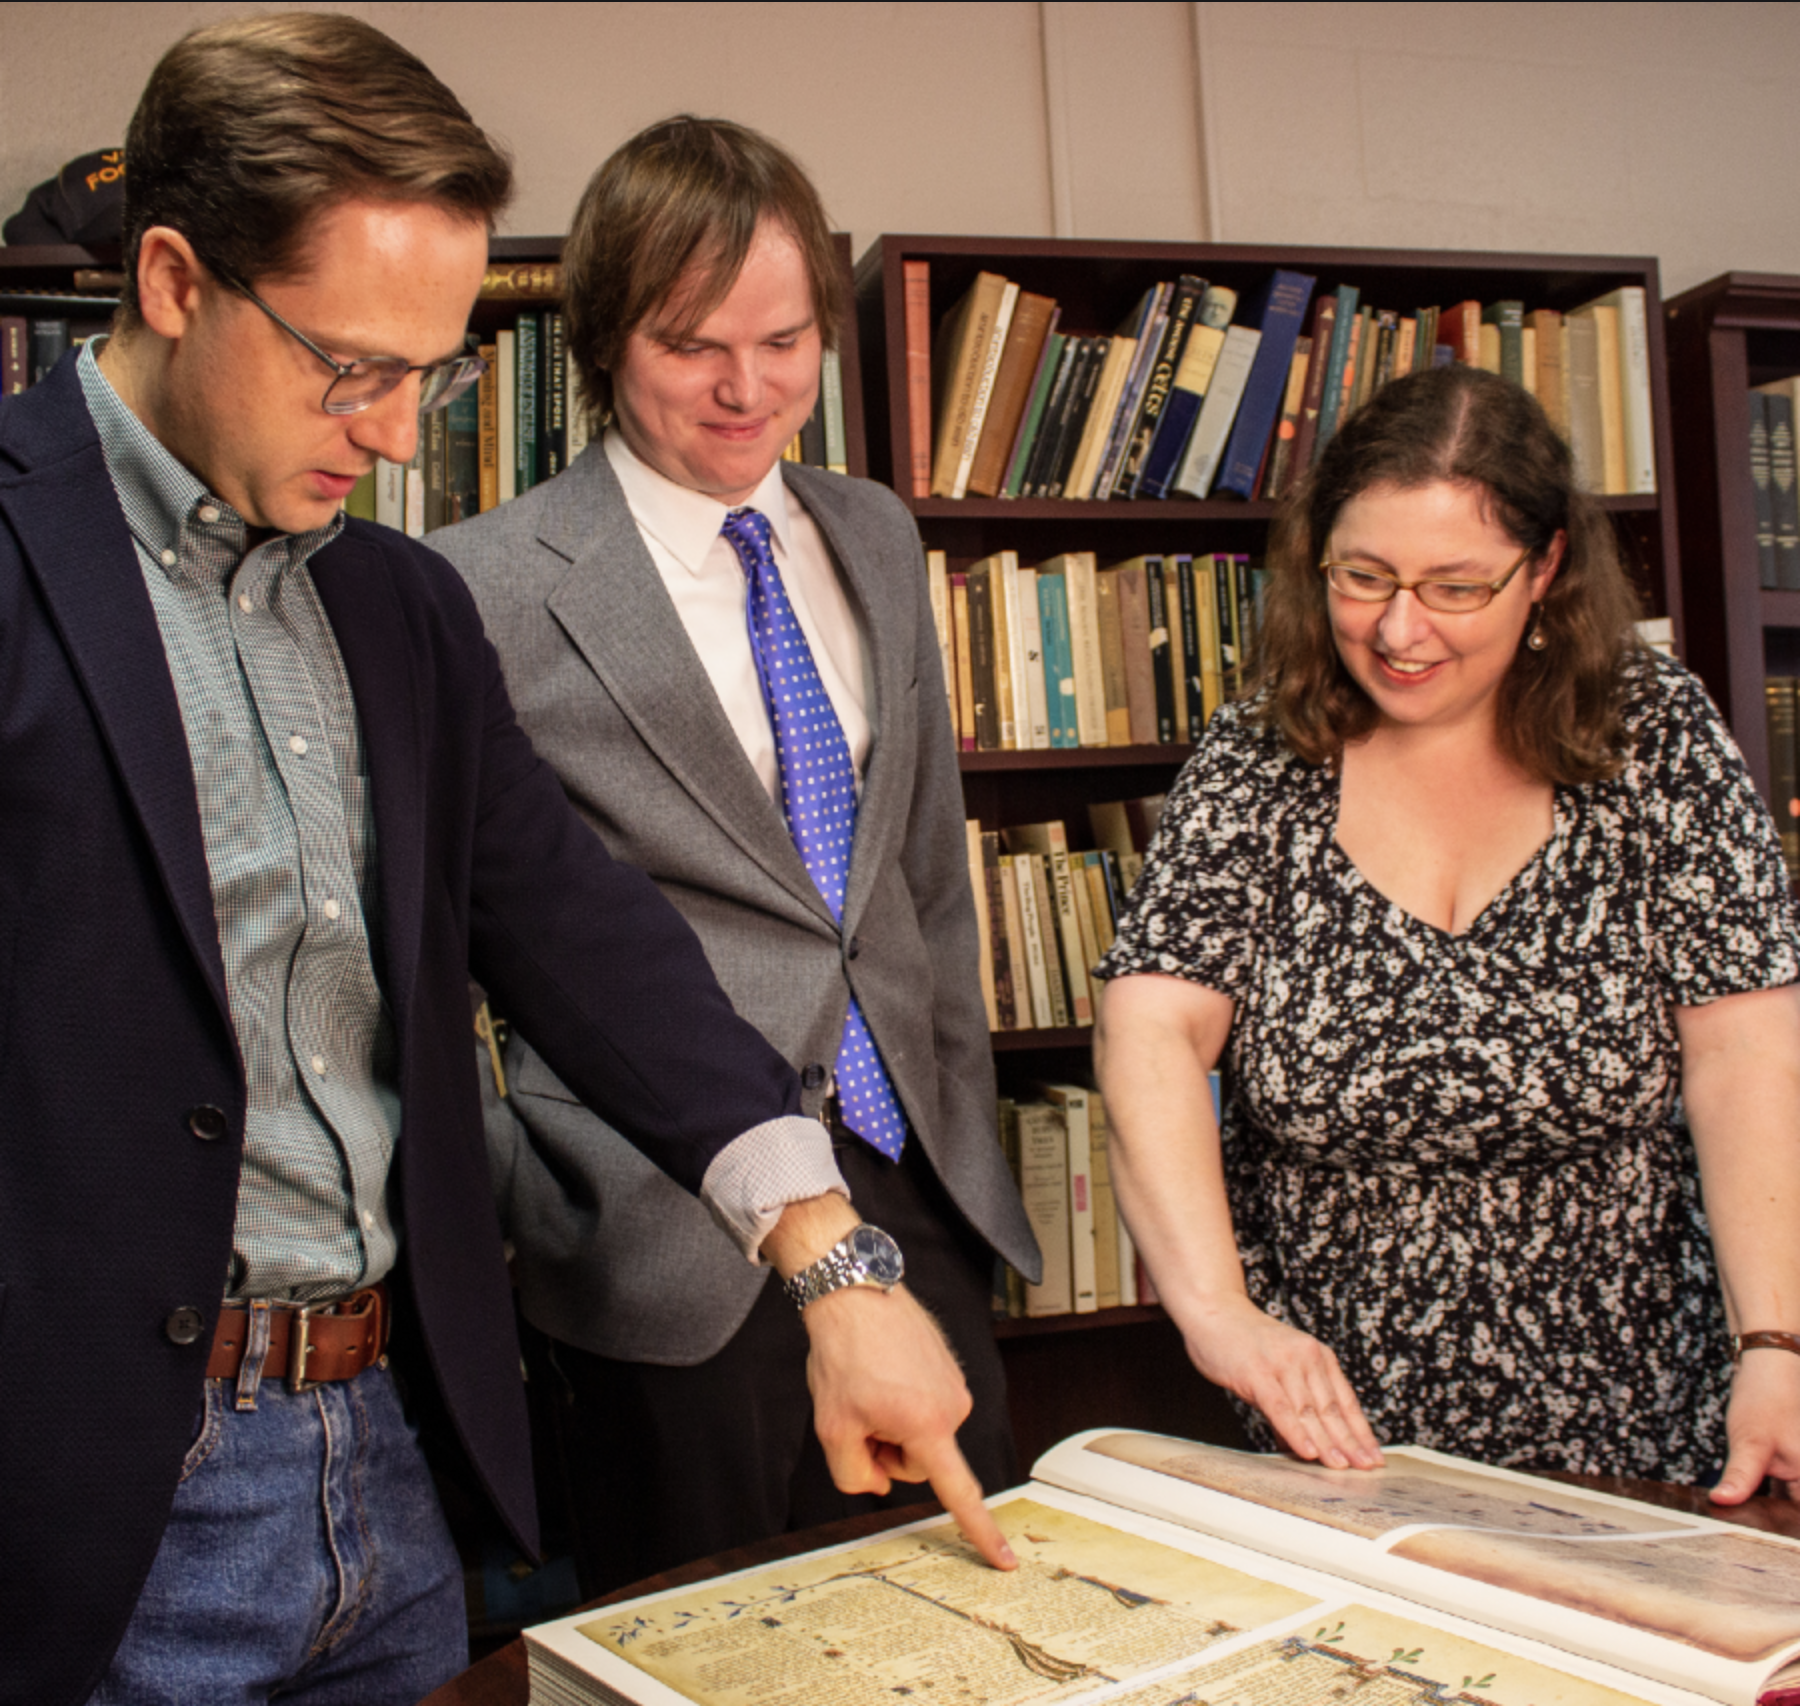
1059,658
1179,412
1279,313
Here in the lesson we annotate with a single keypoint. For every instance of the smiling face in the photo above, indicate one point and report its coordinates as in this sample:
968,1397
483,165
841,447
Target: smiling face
1422,667
714,410
239,400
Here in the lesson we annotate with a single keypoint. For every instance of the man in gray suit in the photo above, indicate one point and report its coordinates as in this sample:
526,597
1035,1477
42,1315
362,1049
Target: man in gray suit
701,638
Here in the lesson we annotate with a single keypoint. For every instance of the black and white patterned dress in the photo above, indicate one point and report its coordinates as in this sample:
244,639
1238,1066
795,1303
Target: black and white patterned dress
1460,1160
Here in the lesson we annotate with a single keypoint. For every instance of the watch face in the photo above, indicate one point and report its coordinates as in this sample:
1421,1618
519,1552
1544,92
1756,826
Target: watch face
878,1254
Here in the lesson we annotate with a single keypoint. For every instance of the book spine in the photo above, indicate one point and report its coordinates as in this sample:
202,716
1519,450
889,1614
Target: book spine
1279,472
1106,1210
983,923
1212,651
462,431
526,393
1042,382
1331,392
1024,870
1112,659
390,494
1134,635
1323,335
1068,925
831,412
1031,317
1044,1188
1207,445
1059,669
1081,405
50,337
1768,573
1193,695
1015,705
916,282
553,425
979,581
1173,571
1283,313
1006,1011
1634,362
506,402
1081,1202
965,669
1084,648
1184,303
15,354
1031,641
1161,675
1039,460
1055,972
1784,492
1784,772
984,388
937,590
487,409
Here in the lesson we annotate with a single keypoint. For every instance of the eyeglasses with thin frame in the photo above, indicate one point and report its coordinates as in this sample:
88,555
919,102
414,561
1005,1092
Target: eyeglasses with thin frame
1453,598
358,385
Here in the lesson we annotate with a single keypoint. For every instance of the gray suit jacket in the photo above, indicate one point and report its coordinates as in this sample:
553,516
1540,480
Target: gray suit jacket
612,1256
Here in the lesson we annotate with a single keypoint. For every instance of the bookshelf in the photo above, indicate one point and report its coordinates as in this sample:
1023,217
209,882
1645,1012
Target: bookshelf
57,269
1735,331
1128,1365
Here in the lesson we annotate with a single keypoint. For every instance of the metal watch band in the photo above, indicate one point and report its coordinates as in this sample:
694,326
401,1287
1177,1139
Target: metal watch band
866,1256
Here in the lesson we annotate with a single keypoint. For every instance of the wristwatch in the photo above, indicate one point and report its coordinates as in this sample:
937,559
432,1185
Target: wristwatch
867,1256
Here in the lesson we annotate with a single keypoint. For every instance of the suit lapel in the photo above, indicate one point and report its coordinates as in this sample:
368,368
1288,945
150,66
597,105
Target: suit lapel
886,802
617,613
78,548
357,591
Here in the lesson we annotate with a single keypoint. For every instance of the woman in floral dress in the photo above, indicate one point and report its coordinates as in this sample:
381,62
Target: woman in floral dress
1477,903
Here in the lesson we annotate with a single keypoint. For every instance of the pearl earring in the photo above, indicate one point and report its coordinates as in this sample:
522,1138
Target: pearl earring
1535,639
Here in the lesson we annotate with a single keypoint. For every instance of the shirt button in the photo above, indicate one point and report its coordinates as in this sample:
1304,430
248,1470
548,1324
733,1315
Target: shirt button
184,1326
207,1122
318,1064
852,948
246,603
168,559
208,514
331,909
297,745
812,1077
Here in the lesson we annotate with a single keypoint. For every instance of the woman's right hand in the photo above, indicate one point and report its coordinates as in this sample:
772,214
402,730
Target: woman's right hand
1291,1377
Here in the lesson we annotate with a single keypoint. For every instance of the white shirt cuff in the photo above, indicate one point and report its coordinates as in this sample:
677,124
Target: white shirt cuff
755,1176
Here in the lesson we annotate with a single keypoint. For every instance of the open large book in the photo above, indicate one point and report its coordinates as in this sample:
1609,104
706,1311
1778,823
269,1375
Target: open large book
1155,1572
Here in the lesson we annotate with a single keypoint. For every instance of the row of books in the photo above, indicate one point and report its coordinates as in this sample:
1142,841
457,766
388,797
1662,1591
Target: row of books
1047,912
1782,697
1191,398
1056,1145
37,328
1068,654
1775,480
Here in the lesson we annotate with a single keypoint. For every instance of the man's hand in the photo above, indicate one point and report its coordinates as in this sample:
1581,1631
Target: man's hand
888,1396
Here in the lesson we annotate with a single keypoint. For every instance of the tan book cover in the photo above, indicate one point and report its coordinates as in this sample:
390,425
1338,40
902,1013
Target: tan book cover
1032,918
1098,428
1549,388
1174,570
1078,572
978,883
1012,386
1004,616
937,587
958,362
1612,393
1018,967
916,283
1050,933
1112,659
1072,1101
1134,628
984,388
1044,1188
487,416
1212,651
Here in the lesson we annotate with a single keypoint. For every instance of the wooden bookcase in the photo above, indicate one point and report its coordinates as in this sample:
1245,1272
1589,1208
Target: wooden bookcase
1735,331
1127,1366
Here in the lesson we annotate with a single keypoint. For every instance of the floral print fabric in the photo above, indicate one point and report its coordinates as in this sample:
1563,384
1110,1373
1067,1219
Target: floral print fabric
1460,1160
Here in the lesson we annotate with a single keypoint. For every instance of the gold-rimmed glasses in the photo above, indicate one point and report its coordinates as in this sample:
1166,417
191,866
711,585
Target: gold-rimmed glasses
1453,597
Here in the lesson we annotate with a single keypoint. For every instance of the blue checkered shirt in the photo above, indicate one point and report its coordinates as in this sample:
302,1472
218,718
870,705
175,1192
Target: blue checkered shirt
283,792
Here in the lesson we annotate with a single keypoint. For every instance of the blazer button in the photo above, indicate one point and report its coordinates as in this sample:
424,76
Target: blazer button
811,1077
853,948
184,1326
207,1122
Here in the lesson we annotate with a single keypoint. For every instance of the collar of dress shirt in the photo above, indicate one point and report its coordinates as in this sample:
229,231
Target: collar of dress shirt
160,496
687,523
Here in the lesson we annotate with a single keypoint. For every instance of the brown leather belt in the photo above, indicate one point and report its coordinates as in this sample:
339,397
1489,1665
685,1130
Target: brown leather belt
309,1343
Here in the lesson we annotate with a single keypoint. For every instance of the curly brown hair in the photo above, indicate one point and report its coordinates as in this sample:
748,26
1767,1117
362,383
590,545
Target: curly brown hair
687,193
1561,709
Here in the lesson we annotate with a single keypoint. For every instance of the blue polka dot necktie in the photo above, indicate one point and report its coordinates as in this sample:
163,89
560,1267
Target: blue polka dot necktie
818,792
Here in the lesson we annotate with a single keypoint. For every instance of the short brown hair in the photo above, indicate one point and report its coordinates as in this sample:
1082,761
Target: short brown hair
249,129
1560,711
686,193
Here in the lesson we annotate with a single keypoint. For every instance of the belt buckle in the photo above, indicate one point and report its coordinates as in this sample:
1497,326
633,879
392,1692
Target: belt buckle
299,1345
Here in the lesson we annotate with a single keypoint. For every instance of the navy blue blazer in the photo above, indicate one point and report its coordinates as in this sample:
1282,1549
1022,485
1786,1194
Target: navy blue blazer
116,1201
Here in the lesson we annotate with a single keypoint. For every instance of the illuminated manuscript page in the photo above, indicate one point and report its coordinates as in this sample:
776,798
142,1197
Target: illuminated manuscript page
1697,1603
919,1613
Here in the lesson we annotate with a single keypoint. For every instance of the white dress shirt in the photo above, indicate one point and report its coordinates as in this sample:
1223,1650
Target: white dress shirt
681,530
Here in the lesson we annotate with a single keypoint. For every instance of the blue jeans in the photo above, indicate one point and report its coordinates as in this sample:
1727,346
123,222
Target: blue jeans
306,1559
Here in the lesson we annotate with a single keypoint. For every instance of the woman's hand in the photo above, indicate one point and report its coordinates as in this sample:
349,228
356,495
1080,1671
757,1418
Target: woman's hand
1762,1424
1288,1375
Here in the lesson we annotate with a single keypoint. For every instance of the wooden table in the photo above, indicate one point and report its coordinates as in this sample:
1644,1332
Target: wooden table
501,1680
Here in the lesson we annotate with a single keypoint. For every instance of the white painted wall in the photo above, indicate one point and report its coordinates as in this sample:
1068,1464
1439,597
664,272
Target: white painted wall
1668,130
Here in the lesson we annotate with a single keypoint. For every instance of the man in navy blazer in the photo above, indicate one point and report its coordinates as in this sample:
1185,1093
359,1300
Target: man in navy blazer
264,808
